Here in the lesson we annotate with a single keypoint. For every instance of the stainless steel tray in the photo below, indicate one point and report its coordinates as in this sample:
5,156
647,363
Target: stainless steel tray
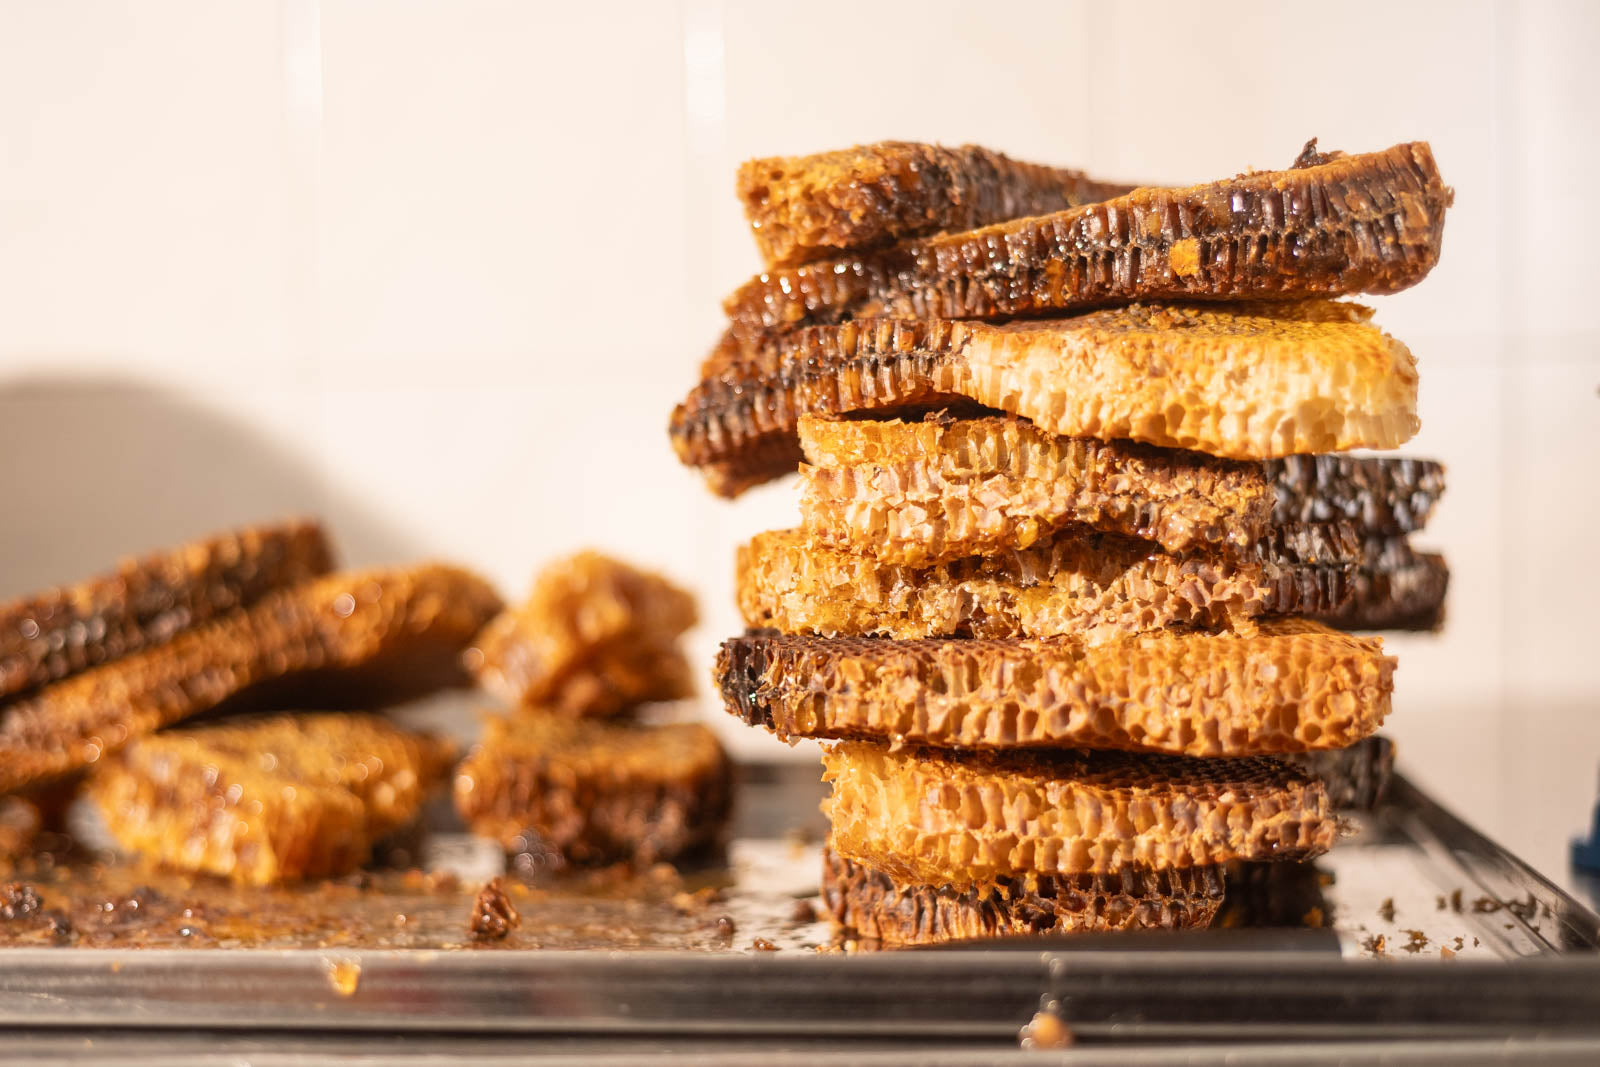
1499,953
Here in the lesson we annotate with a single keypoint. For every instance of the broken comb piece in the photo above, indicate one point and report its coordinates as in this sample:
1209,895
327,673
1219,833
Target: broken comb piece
595,792
268,800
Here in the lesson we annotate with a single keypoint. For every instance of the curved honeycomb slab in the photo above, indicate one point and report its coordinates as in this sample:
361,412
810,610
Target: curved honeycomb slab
61,632
377,635
1243,381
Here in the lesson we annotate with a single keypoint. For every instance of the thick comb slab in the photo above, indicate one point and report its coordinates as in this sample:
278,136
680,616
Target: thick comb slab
51,635
1382,496
1245,381
803,207
870,904
1293,685
596,792
595,636
378,634
1395,588
1090,585
268,800
917,493
920,816
1349,224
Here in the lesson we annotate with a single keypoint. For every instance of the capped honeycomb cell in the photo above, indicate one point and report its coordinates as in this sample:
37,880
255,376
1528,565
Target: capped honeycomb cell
1330,225
935,818
804,207
1287,685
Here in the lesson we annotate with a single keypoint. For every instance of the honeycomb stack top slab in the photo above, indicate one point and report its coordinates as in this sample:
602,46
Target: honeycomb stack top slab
1330,225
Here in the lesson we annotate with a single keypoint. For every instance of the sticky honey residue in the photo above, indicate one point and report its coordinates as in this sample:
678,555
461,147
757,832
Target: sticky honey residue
344,975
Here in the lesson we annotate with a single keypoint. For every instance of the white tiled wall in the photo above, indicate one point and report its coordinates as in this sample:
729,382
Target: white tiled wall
439,270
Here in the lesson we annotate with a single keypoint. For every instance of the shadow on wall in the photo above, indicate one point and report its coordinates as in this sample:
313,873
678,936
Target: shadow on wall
97,470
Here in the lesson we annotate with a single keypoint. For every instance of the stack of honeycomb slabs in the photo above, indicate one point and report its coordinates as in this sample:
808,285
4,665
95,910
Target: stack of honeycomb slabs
1074,510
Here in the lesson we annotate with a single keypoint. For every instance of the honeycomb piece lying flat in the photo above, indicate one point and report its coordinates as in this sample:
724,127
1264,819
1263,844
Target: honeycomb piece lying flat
918,493
1092,585
1395,588
1365,223
268,800
594,637
1292,685
1245,381
51,635
593,791
19,824
1356,776
871,904
922,816
362,635
802,208
1383,496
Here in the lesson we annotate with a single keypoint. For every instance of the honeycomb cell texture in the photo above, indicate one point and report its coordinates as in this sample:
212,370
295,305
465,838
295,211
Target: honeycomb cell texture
926,817
868,903
804,207
1281,685
51,635
268,800
365,637
595,792
1363,223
